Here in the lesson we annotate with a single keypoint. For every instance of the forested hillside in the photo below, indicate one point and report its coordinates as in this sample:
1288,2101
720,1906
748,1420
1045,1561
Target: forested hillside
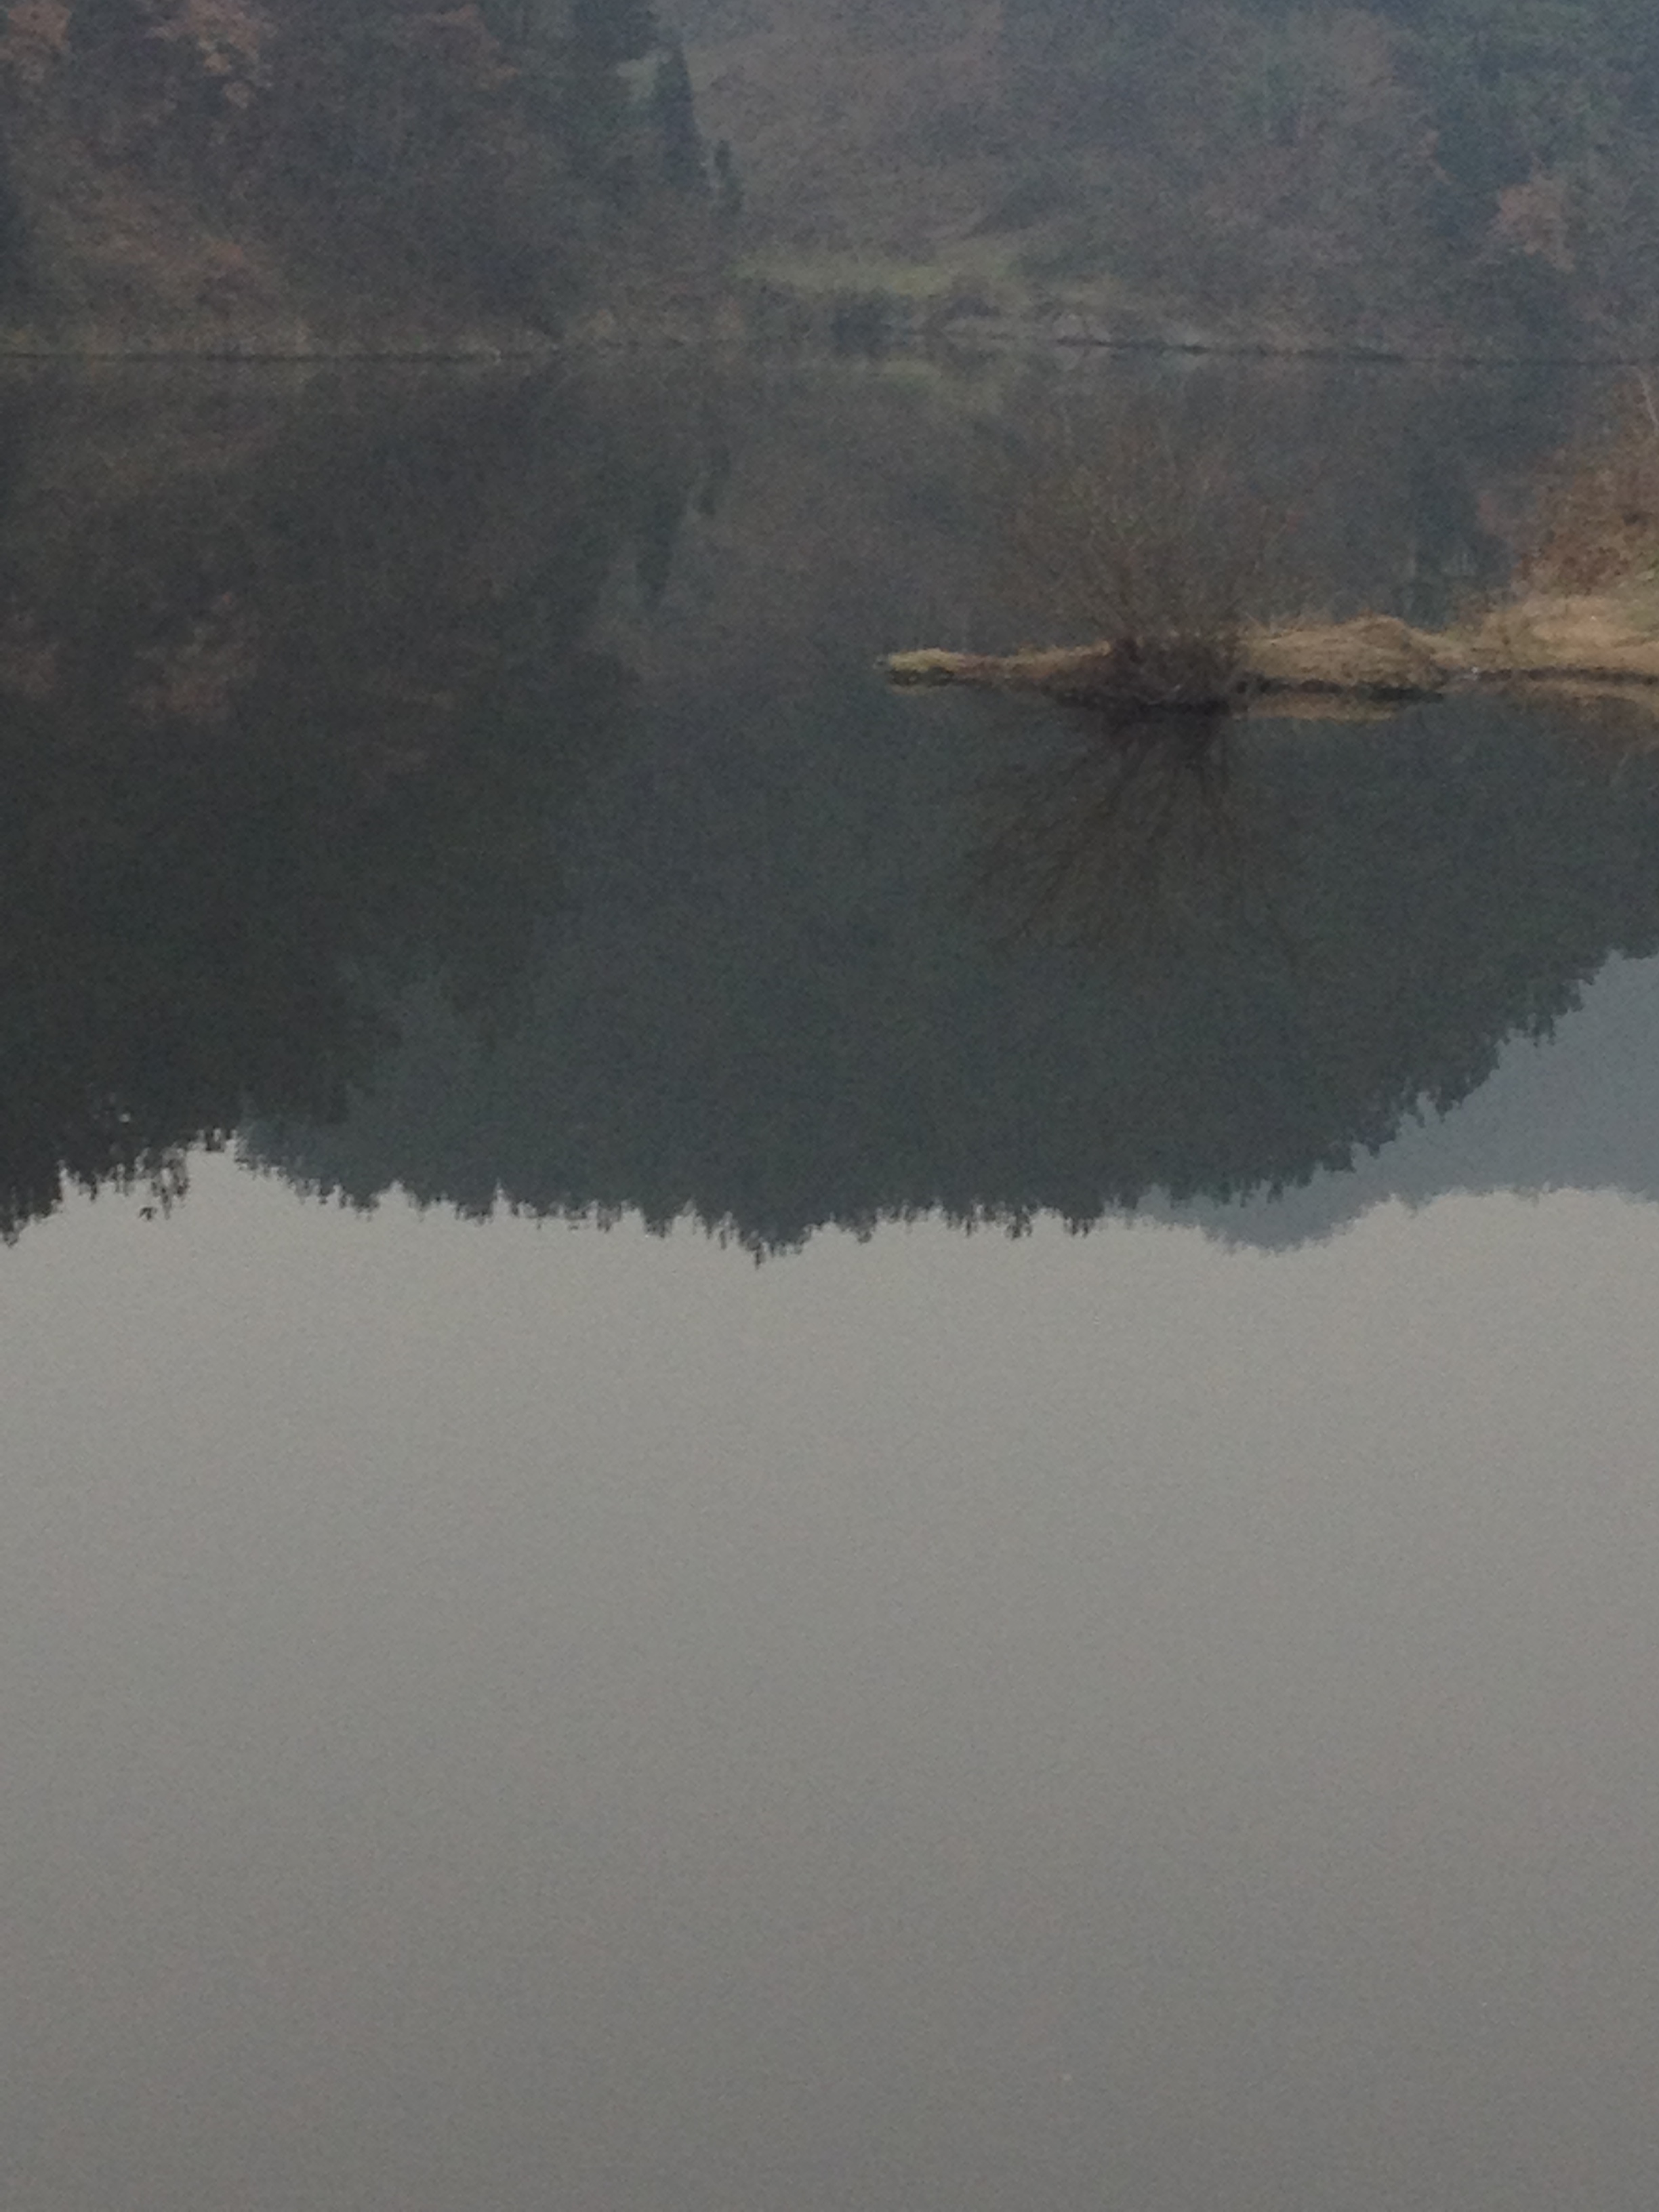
1456,174
296,175
303,175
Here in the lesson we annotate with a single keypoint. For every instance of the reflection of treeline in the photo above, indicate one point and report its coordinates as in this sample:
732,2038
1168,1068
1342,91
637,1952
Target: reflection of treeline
1153,970
299,684
296,696
834,955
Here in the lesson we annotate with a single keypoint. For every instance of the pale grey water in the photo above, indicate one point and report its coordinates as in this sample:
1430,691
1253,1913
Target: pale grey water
524,1715
499,1714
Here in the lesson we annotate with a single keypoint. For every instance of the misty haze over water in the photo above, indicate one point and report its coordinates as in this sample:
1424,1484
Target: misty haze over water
508,1702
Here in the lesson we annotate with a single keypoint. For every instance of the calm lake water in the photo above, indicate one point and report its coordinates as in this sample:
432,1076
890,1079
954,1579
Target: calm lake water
774,1449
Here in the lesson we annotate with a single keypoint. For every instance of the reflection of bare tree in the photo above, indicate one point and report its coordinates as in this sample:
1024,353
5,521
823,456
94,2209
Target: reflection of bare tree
1132,840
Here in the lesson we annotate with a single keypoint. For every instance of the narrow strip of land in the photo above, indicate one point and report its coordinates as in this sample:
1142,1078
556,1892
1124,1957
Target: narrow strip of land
1604,640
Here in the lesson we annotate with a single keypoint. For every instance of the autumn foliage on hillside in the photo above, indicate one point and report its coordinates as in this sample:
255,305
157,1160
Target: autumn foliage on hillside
1479,172
171,160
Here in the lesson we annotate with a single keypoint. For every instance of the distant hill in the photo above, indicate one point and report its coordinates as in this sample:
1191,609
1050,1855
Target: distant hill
281,176
1427,174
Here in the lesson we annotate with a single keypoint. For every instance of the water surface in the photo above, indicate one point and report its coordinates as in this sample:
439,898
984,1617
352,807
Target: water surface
779,1701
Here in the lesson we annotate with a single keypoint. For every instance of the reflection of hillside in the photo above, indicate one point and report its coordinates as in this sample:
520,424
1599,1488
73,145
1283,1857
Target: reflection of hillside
803,1020
323,815
1572,1110
779,998
295,696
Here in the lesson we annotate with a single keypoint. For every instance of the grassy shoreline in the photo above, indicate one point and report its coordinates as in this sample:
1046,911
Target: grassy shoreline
1581,642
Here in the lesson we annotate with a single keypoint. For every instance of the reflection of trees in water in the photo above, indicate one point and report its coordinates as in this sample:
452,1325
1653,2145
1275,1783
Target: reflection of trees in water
1129,839
301,688
797,1023
295,697
775,1012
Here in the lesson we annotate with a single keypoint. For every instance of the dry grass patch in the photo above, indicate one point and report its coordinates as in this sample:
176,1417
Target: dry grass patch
1597,522
1145,538
1375,653
1614,632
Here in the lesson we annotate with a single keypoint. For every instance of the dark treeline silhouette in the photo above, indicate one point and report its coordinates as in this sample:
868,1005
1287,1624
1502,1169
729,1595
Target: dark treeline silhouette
1192,963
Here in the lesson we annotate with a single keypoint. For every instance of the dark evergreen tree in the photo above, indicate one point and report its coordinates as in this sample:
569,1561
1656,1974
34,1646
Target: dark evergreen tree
674,113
